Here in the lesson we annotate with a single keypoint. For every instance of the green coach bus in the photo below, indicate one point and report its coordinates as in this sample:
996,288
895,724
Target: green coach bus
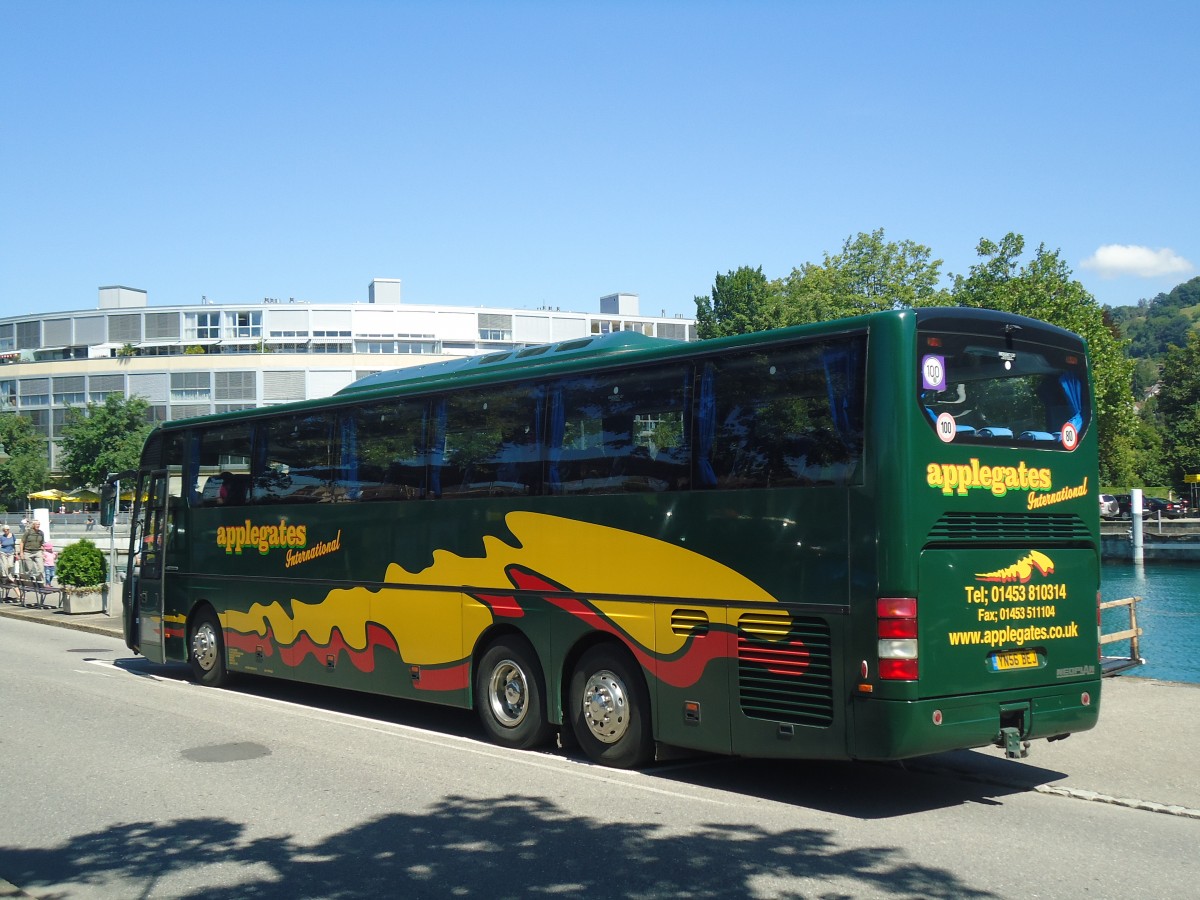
871,538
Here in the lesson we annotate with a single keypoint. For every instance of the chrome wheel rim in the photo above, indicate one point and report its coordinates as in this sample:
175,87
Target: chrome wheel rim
508,694
606,707
204,646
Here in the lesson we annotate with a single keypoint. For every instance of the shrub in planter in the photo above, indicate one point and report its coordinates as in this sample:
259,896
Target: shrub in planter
81,565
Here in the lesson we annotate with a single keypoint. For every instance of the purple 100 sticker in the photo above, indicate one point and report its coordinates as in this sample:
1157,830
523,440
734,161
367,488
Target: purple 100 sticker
933,373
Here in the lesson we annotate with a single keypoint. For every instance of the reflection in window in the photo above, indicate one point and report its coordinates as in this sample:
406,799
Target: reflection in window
782,417
614,433
382,454
291,460
222,468
486,443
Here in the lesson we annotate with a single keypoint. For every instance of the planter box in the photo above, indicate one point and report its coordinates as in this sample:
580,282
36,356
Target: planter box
77,601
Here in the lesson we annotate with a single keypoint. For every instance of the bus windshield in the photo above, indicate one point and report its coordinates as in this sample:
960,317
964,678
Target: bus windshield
993,390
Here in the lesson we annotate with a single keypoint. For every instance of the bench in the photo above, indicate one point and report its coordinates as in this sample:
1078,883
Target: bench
39,592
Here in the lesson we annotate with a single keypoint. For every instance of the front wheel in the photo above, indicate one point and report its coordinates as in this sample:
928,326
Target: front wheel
610,709
510,695
206,650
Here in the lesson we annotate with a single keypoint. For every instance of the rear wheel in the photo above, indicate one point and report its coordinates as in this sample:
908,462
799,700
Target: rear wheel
610,709
206,649
510,695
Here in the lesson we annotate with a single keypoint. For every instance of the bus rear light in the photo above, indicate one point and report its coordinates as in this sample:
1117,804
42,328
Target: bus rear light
897,632
898,669
897,628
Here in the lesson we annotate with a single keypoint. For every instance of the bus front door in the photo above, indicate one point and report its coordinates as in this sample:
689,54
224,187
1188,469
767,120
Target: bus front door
149,531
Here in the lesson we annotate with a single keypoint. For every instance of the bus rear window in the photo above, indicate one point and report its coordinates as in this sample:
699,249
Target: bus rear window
989,390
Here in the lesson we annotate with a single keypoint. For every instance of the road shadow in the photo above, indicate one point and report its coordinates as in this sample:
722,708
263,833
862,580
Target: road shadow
501,846
862,790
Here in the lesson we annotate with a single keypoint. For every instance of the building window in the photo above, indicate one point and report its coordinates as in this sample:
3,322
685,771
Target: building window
245,324
29,335
494,327
234,386
202,326
189,387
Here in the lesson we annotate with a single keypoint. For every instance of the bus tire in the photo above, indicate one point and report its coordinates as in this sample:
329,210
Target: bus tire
510,695
610,709
206,649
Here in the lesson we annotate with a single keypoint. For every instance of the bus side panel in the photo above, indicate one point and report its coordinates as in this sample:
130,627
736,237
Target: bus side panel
692,675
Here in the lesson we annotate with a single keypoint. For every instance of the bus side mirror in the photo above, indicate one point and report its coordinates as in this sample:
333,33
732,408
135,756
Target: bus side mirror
108,504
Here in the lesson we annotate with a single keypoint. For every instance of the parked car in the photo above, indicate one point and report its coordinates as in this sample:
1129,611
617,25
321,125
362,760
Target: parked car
1109,508
1123,501
1168,509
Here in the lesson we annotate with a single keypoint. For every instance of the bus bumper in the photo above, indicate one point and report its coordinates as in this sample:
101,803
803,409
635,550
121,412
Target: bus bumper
898,729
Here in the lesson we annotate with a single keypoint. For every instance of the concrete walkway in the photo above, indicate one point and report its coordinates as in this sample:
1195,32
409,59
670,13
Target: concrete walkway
1141,755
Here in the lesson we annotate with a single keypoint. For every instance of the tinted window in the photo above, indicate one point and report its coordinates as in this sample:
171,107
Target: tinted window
382,455
222,471
486,443
612,433
998,390
782,416
291,460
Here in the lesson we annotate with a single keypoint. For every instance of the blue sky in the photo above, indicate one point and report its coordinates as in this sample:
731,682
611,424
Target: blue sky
523,154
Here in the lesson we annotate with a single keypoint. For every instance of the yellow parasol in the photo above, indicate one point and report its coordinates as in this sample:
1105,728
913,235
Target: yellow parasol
48,494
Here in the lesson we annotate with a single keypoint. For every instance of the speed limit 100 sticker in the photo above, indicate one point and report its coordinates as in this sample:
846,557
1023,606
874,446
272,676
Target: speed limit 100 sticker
946,427
1070,436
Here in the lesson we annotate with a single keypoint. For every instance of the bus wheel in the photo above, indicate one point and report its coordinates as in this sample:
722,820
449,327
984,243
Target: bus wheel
509,695
206,650
610,709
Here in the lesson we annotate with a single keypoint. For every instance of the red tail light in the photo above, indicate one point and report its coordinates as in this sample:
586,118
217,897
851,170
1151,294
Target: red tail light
897,630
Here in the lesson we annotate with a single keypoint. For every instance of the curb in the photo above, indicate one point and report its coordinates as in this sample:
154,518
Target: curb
61,622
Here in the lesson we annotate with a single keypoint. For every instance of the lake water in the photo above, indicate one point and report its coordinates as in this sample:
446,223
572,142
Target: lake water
1169,616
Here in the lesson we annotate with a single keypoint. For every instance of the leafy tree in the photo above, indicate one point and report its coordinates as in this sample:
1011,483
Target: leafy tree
869,274
742,301
26,470
1044,289
1179,407
103,437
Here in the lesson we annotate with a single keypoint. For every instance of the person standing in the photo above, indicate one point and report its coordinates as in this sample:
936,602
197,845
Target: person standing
48,558
8,553
30,550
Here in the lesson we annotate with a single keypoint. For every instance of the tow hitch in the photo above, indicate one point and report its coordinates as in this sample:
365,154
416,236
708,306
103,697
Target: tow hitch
1014,747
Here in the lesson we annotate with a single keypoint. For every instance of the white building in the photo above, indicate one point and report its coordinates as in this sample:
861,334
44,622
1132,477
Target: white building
194,360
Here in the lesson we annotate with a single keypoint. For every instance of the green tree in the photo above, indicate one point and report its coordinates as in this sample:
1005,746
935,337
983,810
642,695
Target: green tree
103,437
1179,408
1044,289
26,470
869,274
742,301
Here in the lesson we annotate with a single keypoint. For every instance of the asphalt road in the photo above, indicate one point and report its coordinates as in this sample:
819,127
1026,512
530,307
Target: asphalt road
121,779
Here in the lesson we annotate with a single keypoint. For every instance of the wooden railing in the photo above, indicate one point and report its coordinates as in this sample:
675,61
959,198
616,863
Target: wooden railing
1114,665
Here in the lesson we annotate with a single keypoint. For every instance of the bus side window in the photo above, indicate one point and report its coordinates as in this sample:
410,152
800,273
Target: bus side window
782,417
291,460
486,442
381,453
222,468
621,432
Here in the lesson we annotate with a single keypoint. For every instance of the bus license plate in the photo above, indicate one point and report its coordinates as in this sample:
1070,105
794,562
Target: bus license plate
1015,659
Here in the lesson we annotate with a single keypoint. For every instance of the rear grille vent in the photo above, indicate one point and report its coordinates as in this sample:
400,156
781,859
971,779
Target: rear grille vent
686,622
785,671
1017,528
